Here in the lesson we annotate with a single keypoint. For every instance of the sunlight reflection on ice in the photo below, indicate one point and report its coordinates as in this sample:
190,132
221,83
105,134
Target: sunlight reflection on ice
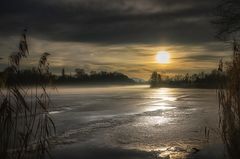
164,94
55,112
163,104
159,107
153,120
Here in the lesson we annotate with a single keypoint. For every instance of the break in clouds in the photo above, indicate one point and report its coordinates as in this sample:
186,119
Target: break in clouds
114,35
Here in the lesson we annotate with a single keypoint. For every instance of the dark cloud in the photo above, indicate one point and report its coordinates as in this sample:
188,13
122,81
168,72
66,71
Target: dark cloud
112,64
104,21
203,58
119,35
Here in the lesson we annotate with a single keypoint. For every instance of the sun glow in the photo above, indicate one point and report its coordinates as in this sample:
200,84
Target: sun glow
163,57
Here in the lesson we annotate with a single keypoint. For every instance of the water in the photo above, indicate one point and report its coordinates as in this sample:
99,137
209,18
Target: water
135,122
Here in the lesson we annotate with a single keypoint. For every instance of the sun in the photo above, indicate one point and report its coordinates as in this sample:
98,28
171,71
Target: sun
163,57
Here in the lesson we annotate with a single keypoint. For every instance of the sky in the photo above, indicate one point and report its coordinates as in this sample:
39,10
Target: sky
114,35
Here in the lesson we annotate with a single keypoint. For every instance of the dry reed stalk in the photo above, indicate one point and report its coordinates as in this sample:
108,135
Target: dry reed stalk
25,126
229,105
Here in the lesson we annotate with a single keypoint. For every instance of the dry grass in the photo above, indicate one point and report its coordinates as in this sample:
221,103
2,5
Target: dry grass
25,124
229,105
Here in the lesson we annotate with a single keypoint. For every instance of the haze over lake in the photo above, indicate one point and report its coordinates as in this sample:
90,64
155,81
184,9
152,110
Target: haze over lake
134,122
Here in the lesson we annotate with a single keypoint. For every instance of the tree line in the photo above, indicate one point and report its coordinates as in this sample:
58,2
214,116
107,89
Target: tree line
29,76
81,76
196,80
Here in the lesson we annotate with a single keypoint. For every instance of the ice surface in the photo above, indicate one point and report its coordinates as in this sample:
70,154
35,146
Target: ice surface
133,118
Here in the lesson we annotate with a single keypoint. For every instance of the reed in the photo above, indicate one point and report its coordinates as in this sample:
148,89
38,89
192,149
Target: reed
25,123
229,105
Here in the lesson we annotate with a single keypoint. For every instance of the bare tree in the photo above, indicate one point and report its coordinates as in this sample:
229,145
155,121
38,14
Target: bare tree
227,19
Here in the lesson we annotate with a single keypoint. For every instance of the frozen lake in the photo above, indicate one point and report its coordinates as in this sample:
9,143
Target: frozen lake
134,122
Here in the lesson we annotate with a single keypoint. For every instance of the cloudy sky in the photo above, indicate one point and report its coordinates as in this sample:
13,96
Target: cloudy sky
114,35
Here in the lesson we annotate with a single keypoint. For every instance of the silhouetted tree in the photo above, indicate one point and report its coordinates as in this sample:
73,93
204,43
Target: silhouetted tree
63,73
220,66
159,78
80,72
155,80
93,73
186,78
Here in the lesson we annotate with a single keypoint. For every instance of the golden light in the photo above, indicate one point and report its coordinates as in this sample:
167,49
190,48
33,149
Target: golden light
163,57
